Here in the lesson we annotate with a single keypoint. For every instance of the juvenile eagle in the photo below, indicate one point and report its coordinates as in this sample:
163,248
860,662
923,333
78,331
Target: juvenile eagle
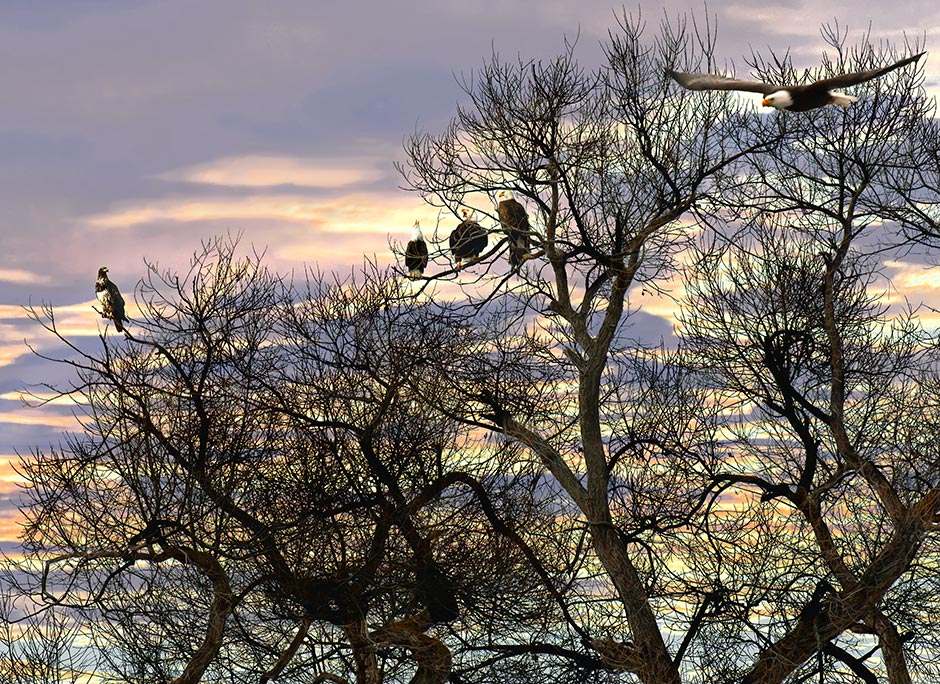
797,98
468,240
515,221
109,296
416,253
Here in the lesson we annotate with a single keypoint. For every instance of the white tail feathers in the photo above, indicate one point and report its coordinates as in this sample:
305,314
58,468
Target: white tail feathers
842,99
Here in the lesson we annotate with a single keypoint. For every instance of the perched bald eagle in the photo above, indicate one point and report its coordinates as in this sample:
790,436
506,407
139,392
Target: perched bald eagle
468,240
515,221
109,296
416,253
797,98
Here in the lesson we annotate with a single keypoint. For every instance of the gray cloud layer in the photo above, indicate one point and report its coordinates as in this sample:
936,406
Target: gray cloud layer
106,104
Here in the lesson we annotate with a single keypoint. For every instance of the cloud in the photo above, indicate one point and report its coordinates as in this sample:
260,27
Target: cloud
11,345
264,171
359,213
72,321
30,416
776,18
10,529
914,277
21,277
47,398
771,19
280,207
772,27
8,473
912,284
334,232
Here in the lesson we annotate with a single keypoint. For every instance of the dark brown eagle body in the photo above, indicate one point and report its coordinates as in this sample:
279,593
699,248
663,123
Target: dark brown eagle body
515,221
467,240
796,98
416,253
109,296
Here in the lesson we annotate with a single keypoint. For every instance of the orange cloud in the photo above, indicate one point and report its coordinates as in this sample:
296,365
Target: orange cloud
75,320
360,213
10,529
9,485
914,276
264,171
47,398
8,474
30,416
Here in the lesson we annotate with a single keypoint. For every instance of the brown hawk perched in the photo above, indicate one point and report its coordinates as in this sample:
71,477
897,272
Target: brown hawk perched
109,296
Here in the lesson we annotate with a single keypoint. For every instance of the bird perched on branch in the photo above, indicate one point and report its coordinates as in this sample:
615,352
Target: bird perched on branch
155,531
416,253
796,98
109,296
468,240
515,221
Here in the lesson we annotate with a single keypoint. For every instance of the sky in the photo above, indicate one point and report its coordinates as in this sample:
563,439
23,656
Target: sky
132,130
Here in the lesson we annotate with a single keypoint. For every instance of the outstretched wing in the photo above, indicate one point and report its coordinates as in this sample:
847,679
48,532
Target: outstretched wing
714,82
845,80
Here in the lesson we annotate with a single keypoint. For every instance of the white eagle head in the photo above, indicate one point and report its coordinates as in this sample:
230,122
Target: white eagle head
503,195
466,213
780,99
416,233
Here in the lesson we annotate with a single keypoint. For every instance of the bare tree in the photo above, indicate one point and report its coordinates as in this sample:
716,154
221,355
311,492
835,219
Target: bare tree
350,480
614,166
257,492
40,646
793,320
608,163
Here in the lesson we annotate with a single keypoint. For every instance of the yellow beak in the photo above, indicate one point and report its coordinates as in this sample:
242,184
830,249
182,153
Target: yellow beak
767,103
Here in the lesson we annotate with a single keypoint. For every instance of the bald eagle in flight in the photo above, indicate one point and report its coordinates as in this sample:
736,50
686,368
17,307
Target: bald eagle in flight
416,253
797,98
515,221
467,240
109,296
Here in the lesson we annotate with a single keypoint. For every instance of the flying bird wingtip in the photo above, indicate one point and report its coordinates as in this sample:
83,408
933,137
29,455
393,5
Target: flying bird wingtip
913,58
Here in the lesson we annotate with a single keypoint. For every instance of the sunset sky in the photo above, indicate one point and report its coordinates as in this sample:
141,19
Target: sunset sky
131,130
